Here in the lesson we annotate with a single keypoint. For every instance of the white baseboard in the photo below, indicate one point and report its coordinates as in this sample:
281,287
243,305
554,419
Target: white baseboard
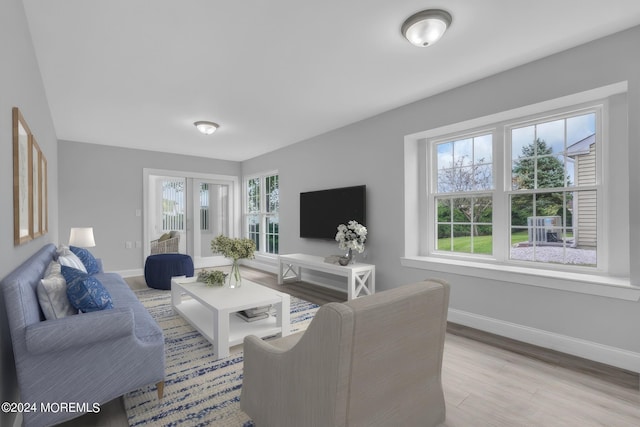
590,350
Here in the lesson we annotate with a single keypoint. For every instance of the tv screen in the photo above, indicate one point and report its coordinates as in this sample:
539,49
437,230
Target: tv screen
322,211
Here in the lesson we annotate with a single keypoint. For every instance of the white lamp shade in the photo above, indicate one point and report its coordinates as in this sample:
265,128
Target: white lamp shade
426,27
82,237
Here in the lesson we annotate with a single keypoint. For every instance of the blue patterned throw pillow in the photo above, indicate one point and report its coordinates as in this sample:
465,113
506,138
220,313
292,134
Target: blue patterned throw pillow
89,261
85,292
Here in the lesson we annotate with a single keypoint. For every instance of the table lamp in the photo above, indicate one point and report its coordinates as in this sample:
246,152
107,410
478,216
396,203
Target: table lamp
82,237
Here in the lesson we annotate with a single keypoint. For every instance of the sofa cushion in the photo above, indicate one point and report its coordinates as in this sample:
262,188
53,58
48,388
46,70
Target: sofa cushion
88,260
85,292
69,259
146,328
52,294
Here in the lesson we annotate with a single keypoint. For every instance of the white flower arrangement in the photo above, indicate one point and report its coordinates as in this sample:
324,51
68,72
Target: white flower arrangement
351,236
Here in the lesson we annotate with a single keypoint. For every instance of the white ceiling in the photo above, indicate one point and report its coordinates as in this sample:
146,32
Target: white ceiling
138,73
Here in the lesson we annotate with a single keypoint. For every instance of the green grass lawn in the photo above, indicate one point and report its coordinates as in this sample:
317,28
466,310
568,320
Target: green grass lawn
481,244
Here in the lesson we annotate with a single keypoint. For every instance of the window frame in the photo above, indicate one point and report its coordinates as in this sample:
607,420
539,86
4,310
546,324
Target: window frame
263,212
502,191
616,283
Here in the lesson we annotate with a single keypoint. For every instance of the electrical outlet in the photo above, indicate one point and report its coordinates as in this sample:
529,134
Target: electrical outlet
128,245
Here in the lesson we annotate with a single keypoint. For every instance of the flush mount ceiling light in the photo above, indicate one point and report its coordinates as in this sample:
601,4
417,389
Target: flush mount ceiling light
426,27
205,127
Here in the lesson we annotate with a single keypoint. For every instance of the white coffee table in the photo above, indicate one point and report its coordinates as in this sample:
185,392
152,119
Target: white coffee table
211,310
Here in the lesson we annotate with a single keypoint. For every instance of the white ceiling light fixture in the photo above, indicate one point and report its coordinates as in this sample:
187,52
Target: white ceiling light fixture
426,27
205,127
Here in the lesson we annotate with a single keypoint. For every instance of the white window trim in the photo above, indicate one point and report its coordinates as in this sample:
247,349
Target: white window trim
415,151
261,253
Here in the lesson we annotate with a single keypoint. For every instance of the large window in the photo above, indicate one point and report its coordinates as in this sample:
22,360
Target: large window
261,213
524,191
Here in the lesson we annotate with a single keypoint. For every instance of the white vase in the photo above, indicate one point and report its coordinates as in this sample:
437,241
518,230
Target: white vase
347,259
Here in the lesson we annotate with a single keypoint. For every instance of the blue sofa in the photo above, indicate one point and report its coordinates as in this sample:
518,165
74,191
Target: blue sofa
83,359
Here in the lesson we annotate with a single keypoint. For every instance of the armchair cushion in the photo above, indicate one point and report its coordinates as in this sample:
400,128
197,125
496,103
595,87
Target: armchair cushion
88,260
52,294
85,292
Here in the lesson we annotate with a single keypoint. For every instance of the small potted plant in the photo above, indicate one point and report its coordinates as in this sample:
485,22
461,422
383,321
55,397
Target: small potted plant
212,278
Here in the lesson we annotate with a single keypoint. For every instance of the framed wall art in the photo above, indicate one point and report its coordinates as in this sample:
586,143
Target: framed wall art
44,195
22,180
36,229
30,197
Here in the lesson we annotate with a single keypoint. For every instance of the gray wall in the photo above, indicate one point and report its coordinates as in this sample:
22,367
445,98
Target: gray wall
20,86
371,152
102,187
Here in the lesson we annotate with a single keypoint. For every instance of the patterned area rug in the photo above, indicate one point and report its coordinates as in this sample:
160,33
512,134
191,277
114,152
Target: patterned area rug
199,391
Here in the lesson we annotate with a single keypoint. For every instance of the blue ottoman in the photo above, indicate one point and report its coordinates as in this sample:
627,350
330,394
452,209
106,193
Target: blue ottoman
160,268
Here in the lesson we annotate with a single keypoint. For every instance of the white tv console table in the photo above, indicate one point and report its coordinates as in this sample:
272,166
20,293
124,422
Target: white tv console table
361,278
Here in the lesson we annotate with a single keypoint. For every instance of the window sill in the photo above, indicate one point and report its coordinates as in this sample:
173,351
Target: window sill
590,284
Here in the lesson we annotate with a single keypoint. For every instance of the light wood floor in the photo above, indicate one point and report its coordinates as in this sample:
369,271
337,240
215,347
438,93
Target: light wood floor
488,380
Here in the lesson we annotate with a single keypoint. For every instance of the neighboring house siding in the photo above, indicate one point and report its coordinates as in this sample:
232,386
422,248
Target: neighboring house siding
585,203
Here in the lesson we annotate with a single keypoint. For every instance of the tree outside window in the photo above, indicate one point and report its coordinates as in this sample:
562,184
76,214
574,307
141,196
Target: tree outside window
464,209
553,197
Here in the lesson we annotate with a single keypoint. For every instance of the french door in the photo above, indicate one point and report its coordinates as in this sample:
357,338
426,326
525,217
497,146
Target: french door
194,207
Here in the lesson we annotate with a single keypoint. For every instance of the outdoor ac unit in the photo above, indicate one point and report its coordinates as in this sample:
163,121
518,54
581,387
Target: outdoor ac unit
544,229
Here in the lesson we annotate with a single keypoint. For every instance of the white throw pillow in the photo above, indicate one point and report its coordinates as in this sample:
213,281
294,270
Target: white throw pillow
54,268
68,258
52,294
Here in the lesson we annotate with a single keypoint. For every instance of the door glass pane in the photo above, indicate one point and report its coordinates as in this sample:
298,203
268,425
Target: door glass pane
167,221
214,215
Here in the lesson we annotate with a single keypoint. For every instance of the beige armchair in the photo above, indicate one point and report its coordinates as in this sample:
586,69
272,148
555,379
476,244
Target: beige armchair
166,244
372,361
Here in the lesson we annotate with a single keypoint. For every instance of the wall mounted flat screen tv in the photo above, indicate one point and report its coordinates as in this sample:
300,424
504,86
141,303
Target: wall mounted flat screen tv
322,211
